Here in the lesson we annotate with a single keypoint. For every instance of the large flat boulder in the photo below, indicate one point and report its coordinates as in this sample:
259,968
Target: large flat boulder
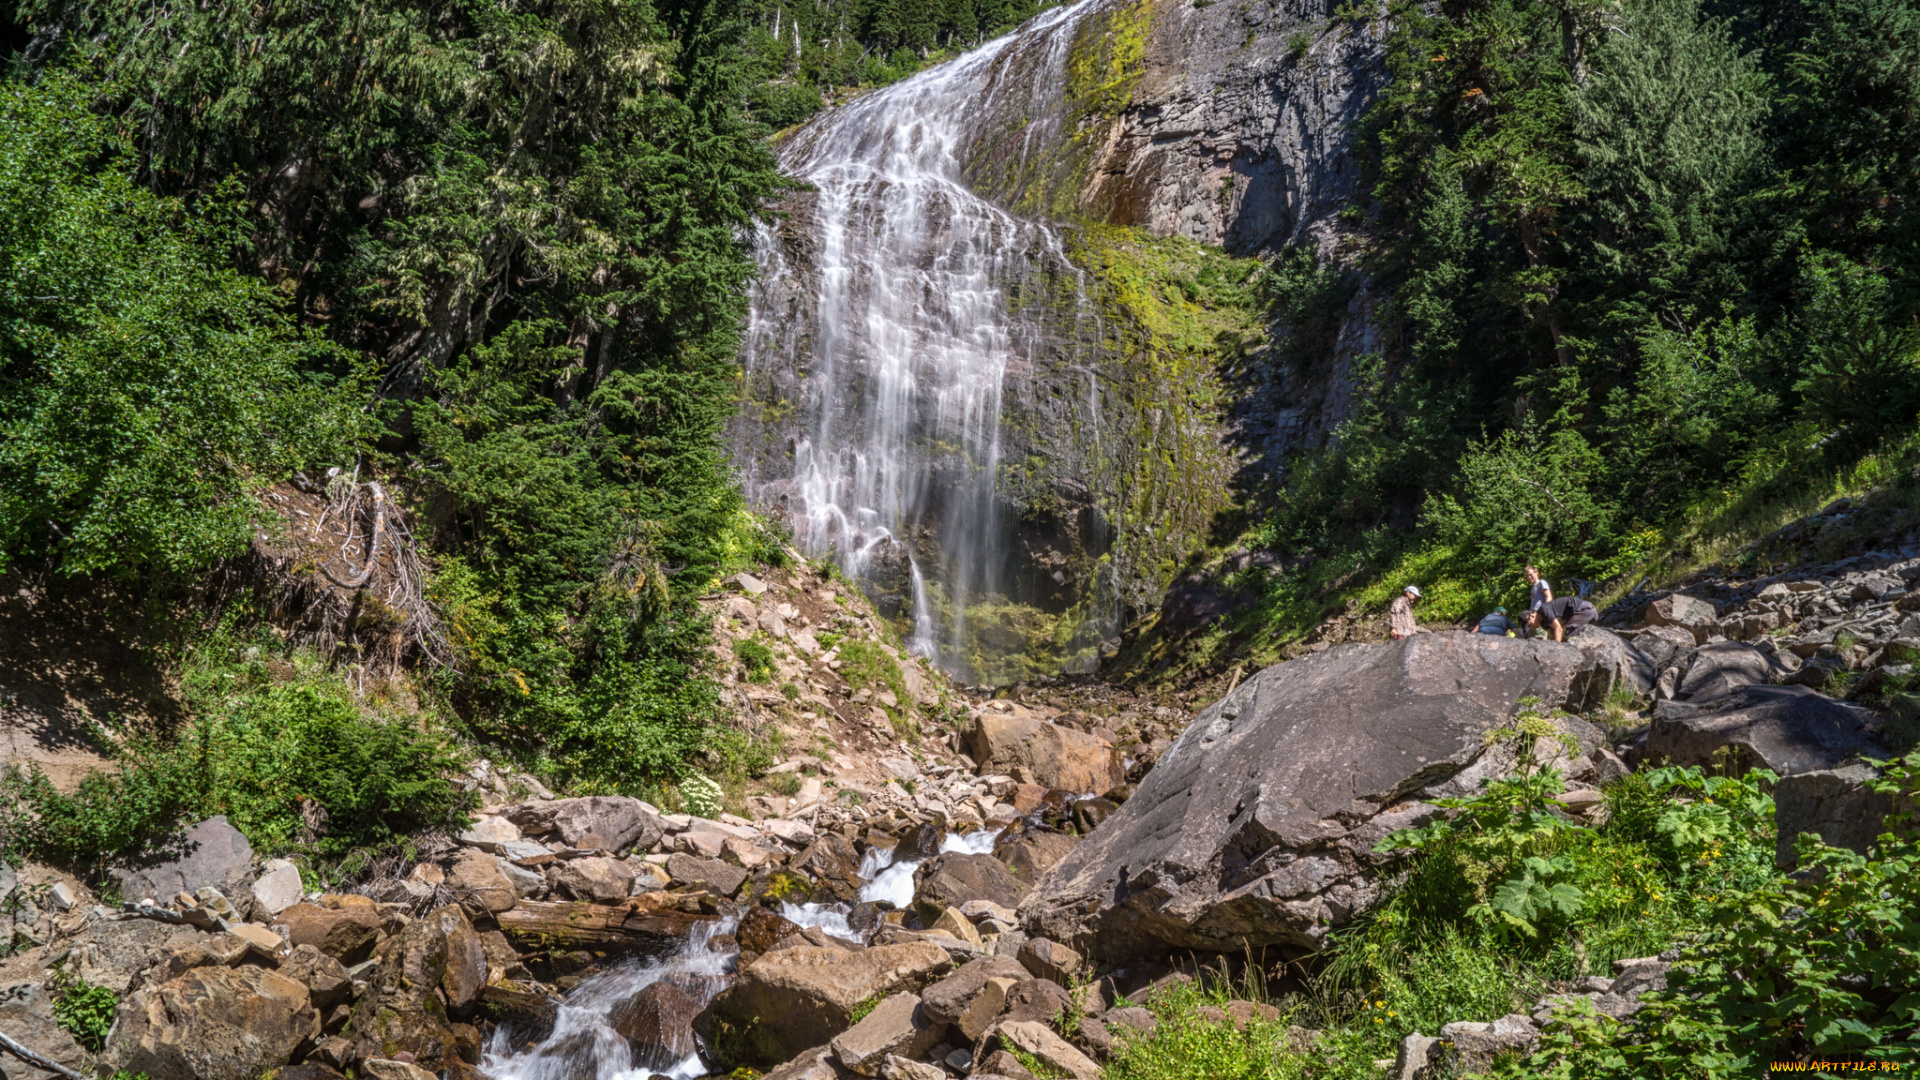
212,1023
1036,752
1726,667
604,822
951,879
1788,729
26,1015
1257,828
212,853
793,999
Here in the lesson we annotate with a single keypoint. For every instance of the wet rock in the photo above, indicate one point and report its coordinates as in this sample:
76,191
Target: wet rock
834,867
210,854
792,999
1039,1041
1788,729
1834,804
658,1023
26,1015
528,1016
212,1023
477,879
1258,827
955,877
649,925
896,1026
1089,813
595,879
760,928
921,841
348,935
1036,752
723,878
1034,852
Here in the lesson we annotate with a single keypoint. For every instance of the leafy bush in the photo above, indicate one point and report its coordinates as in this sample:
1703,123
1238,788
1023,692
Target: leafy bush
86,1012
292,765
757,658
146,388
1186,1044
702,795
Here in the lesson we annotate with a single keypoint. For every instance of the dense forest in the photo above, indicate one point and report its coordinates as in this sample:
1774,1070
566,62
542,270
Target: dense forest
1639,260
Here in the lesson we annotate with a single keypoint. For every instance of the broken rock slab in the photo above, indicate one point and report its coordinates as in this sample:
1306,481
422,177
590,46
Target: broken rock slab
212,853
1788,729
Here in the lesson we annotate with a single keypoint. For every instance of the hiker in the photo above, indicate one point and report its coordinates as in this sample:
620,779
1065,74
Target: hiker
1566,616
1400,613
1541,589
1496,623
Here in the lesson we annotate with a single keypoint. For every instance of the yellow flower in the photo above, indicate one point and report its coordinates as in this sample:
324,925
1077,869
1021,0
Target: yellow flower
1378,1020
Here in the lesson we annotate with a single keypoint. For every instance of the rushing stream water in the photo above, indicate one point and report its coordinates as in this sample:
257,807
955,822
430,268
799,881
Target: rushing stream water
584,1043
903,322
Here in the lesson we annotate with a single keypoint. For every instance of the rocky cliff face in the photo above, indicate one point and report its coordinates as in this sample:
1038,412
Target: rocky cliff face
991,371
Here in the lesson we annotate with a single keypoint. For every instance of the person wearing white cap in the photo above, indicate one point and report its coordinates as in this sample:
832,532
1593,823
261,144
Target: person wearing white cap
1400,613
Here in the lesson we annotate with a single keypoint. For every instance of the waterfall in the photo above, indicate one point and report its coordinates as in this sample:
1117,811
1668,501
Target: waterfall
902,318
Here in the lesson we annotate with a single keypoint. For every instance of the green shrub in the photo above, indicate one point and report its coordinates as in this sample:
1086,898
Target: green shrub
701,795
1186,1044
866,666
292,765
86,1012
757,658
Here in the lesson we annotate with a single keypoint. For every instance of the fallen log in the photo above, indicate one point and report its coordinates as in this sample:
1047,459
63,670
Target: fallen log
633,928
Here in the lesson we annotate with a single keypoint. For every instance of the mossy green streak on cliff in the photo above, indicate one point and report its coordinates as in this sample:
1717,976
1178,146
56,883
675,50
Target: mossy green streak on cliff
1049,177
1109,56
1174,312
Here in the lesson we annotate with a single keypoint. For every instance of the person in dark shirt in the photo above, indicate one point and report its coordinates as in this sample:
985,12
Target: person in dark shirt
1564,615
1496,623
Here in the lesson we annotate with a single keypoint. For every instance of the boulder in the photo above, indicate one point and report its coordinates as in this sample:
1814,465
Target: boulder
1034,852
278,889
1834,804
595,879
760,928
438,964
489,834
1258,827
793,999
815,1064
325,978
1608,663
389,1069
1050,960
603,822
26,1015
1467,1047
834,867
1040,1042
723,878
947,999
1041,1000
896,1026
346,934
658,1023
211,1023
953,878
1695,616
476,878
1036,752
212,853
1788,729
118,953
1723,668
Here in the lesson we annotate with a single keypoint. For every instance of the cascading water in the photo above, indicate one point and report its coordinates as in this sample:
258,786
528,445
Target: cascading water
903,318
585,1043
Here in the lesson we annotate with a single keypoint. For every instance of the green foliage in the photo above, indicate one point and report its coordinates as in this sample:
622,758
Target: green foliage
146,389
1820,965
866,666
757,658
1862,378
294,765
86,1013
1187,1044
